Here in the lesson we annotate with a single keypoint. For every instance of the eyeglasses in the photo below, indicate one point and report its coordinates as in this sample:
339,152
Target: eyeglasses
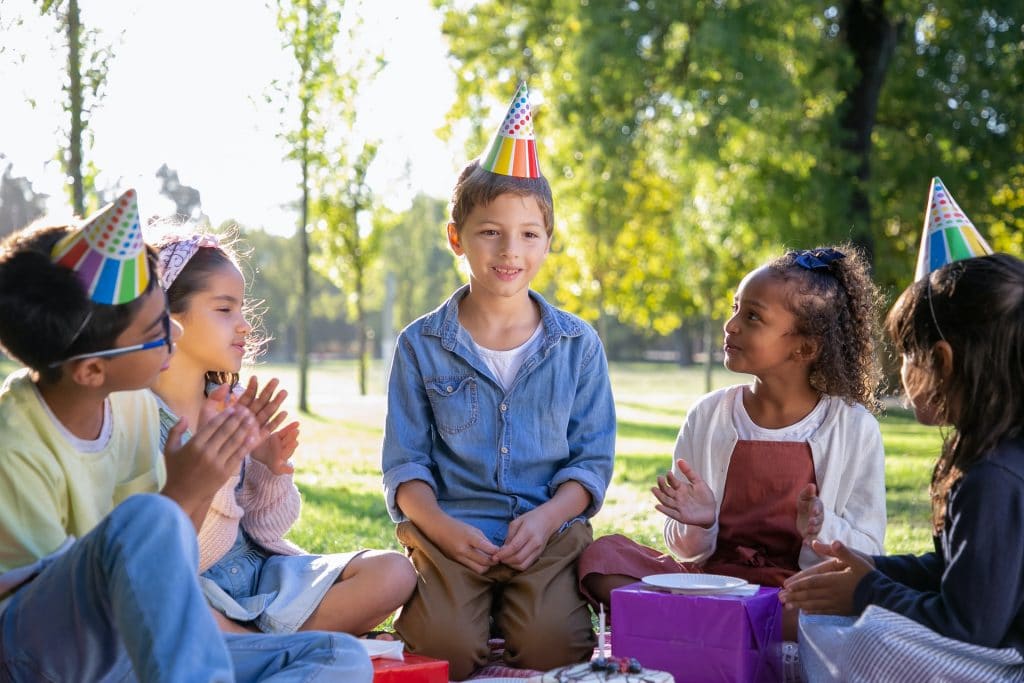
145,346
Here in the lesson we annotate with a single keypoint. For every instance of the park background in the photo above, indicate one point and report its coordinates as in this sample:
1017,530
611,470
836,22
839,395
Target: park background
685,142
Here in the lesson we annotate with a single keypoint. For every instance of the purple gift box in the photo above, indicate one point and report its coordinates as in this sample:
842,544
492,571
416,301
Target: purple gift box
700,638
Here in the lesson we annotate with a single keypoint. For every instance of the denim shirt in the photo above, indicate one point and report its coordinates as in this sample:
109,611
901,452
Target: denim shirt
491,455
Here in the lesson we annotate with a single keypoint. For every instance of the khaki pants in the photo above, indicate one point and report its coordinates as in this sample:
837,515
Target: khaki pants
540,612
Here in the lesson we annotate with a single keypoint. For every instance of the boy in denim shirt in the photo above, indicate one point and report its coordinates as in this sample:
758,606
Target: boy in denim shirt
500,433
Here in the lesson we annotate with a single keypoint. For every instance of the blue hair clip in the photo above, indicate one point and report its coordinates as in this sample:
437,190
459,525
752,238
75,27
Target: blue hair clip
817,259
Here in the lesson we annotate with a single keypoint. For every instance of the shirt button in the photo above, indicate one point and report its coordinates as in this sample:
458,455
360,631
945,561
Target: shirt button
503,407
504,449
449,388
234,570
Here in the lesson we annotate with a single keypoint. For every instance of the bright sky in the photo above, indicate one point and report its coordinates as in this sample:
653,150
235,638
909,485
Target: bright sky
187,87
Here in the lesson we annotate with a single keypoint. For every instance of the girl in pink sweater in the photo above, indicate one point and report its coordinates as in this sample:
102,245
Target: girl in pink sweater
253,577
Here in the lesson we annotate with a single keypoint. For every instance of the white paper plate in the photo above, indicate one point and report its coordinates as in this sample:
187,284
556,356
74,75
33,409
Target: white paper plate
694,583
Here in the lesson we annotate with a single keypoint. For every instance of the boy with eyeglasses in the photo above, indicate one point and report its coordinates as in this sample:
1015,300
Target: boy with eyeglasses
98,573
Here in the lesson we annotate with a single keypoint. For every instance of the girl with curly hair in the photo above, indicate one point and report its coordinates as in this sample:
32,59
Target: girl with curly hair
761,467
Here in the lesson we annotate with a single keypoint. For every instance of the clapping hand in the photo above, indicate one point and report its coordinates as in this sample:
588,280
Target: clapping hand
198,468
688,501
810,513
277,445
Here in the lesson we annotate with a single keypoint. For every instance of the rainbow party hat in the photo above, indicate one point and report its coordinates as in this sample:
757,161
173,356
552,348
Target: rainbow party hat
949,235
107,253
513,151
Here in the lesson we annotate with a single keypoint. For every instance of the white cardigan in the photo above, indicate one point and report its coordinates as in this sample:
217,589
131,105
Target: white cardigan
849,466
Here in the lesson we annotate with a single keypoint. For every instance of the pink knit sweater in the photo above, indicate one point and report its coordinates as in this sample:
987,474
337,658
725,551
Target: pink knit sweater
266,506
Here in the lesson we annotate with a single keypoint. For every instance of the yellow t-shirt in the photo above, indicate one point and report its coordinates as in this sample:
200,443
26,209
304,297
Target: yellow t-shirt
50,490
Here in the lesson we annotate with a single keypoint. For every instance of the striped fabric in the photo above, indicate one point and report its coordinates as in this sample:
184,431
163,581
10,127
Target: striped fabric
885,646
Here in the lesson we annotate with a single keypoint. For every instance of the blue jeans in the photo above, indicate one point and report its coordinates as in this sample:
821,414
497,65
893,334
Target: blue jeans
124,603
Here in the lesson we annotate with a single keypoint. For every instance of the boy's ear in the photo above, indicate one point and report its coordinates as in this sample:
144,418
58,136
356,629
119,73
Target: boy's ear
88,372
454,242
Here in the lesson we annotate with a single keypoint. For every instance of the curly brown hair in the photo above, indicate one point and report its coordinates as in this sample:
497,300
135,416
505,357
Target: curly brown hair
837,304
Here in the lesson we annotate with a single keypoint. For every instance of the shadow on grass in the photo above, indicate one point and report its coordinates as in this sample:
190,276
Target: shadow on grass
337,519
647,430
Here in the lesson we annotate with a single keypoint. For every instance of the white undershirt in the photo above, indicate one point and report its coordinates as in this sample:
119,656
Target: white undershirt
800,431
82,445
505,364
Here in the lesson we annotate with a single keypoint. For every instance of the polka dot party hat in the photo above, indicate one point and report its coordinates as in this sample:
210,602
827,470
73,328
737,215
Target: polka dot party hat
949,235
513,151
107,253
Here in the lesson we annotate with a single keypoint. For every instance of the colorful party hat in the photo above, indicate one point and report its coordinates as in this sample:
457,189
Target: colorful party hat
948,235
107,253
513,151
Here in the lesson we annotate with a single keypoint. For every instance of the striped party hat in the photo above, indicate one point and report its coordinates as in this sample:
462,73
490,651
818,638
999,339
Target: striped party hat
949,235
513,151
107,253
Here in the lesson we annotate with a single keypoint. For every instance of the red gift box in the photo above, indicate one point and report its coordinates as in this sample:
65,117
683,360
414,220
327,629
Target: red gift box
414,669
700,638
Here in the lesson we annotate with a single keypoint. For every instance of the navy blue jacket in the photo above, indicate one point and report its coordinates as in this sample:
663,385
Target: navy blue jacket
972,587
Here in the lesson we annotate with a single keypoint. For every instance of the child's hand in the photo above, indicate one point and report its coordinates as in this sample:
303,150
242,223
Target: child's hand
264,404
527,537
198,469
827,588
810,512
688,502
466,544
275,450
215,403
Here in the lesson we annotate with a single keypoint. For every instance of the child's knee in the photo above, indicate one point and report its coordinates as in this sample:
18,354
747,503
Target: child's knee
545,642
148,519
464,651
401,574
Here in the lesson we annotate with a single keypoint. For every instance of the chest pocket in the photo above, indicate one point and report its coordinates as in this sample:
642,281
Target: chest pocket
454,402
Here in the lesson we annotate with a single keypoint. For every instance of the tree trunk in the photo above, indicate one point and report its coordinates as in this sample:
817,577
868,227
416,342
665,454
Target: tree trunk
73,161
302,333
871,37
709,338
361,323
302,338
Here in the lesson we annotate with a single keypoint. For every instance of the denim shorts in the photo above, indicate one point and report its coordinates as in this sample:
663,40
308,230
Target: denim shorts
276,593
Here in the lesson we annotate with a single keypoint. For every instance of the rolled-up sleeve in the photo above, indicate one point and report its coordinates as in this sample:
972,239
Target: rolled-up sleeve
591,431
407,445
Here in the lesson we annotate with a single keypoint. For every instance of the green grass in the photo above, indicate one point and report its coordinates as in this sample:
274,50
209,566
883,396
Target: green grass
338,462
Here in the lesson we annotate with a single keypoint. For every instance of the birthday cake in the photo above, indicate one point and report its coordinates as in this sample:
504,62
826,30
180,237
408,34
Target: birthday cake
609,670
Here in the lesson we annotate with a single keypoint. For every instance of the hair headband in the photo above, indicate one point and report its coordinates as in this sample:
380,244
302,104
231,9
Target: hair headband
176,255
817,259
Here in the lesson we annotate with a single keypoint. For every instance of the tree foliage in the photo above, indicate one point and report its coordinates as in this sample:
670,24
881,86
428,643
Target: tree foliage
89,57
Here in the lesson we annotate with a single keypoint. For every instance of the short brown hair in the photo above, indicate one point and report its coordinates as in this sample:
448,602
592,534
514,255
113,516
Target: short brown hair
478,187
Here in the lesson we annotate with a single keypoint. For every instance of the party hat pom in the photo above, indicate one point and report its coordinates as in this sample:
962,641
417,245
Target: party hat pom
107,253
513,151
949,235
